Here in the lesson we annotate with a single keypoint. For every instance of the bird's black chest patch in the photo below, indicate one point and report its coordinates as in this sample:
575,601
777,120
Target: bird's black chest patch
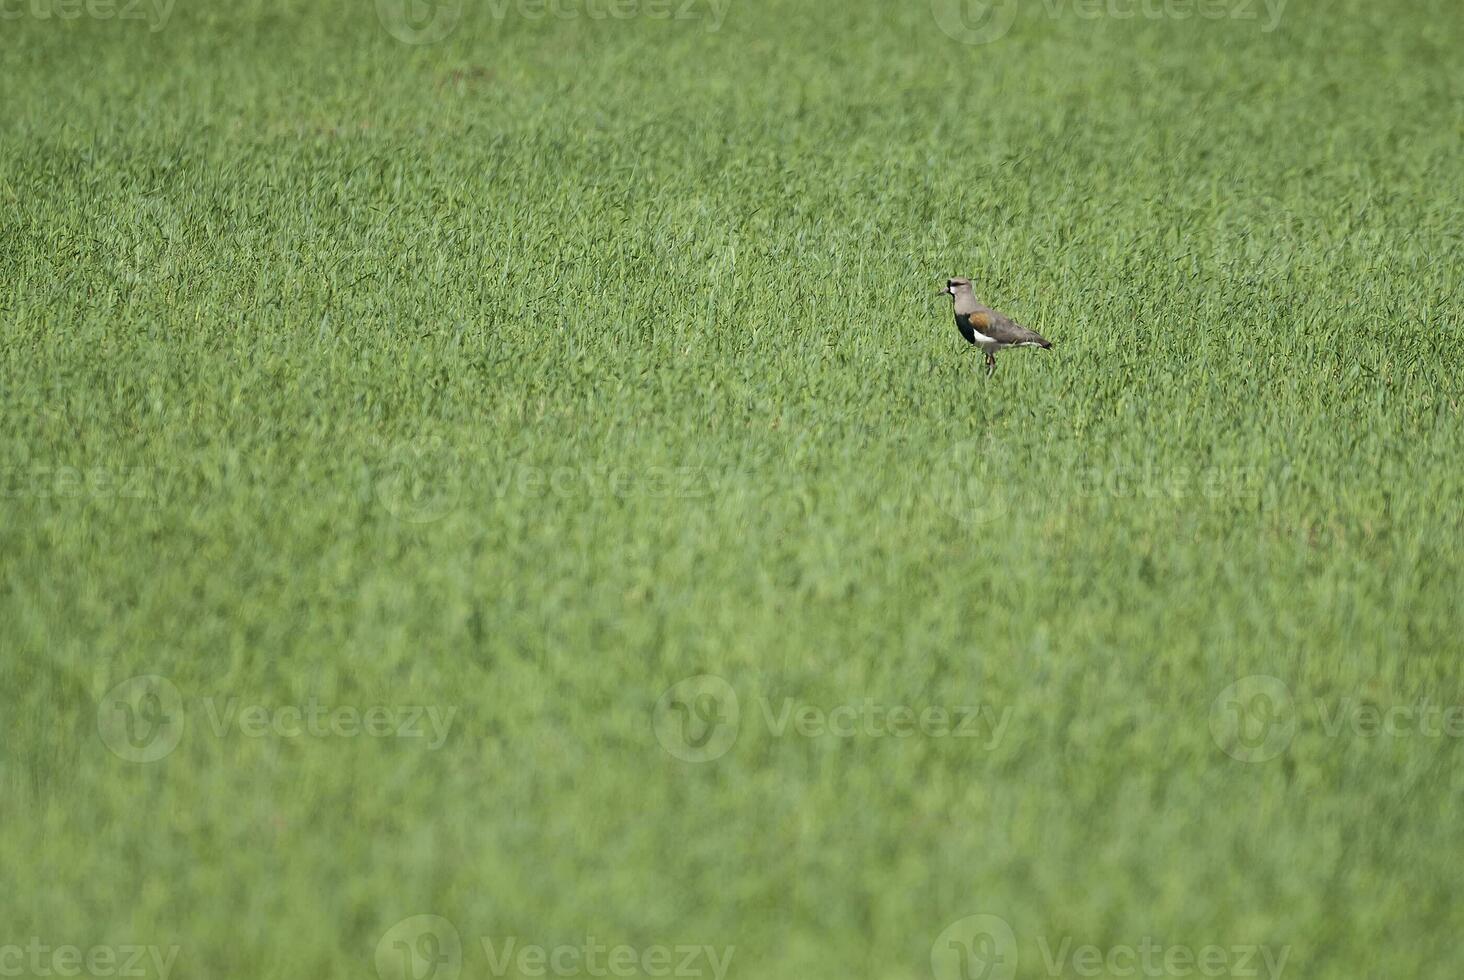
964,325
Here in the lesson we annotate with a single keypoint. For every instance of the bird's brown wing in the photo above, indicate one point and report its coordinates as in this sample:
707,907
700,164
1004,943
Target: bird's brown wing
1004,329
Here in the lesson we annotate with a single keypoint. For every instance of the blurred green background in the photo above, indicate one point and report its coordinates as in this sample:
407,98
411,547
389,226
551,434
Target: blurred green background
580,382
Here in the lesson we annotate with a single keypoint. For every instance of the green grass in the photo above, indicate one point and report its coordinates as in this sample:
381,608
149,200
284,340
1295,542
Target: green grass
524,374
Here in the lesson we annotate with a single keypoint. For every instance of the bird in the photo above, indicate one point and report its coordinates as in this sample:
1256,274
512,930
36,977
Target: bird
985,327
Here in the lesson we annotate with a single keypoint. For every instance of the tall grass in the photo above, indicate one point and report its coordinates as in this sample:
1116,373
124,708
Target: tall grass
516,378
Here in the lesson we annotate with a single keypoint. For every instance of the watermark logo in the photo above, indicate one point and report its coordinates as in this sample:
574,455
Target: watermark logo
984,947
428,21
977,947
508,956
697,720
1213,10
962,482
422,481
975,21
1148,958
1364,719
41,959
154,12
590,481
39,481
420,947
871,718
710,12
986,21
142,719
419,21
428,947
1258,220
970,483
1254,719
1148,481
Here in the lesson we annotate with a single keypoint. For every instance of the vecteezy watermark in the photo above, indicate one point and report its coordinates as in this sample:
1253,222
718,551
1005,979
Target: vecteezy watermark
1363,719
45,481
429,946
709,13
976,947
986,21
35,958
699,719
154,12
974,21
869,718
419,21
1216,10
144,718
426,21
984,947
1256,718
1148,958
420,947
597,959
1150,481
978,483
653,482
1261,221
420,483
966,481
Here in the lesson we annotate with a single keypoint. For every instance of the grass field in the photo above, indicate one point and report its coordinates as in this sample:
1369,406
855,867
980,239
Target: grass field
529,478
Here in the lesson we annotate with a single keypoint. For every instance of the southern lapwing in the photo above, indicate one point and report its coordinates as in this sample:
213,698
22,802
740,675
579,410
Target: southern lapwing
986,328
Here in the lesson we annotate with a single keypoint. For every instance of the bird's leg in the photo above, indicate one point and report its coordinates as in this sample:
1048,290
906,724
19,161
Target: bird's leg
990,363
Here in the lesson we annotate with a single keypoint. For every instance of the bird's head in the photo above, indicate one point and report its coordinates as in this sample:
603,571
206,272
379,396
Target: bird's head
957,286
